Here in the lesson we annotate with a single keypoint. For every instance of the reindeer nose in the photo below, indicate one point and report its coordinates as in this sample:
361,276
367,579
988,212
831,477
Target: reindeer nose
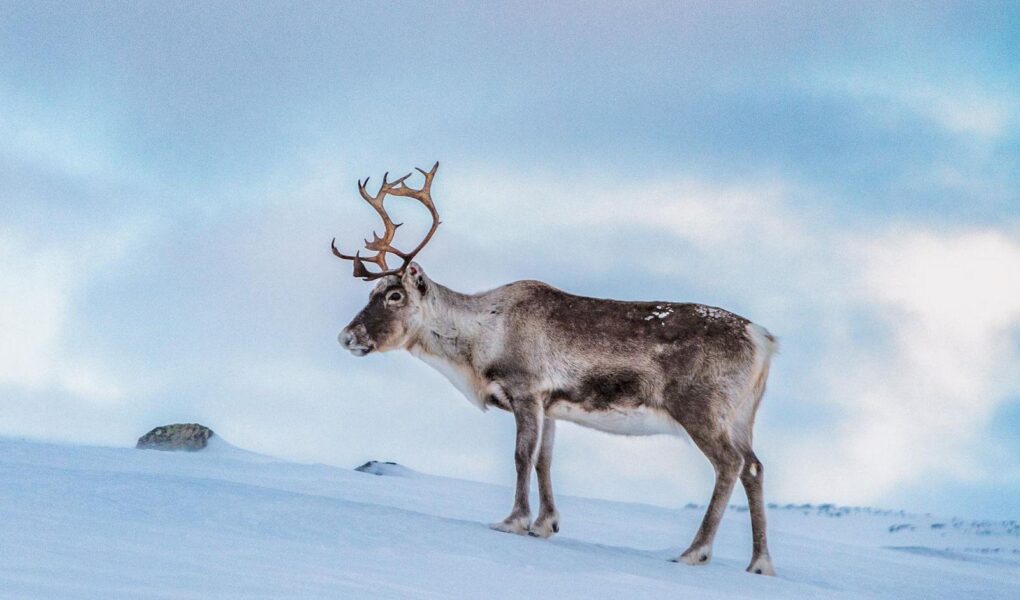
346,338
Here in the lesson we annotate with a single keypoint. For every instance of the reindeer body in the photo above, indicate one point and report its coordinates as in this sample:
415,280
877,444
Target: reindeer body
631,368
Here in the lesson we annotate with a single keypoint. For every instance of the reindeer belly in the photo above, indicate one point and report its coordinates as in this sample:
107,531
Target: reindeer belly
630,420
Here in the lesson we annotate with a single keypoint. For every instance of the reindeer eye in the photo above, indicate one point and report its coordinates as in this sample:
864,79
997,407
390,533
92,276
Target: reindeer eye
394,297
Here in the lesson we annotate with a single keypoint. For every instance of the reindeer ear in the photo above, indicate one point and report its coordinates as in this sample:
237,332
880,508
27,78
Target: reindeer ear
415,277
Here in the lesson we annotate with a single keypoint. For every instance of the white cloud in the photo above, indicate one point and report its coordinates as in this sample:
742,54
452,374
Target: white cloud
967,111
34,289
38,288
55,140
951,302
967,283
959,106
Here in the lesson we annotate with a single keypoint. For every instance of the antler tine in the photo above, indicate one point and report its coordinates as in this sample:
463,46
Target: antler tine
430,174
383,245
362,189
359,266
338,253
427,187
399,181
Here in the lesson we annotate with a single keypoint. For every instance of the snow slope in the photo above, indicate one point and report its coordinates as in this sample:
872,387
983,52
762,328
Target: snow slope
87,522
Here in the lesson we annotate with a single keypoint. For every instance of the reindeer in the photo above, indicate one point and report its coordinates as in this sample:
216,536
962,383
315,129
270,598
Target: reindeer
543,355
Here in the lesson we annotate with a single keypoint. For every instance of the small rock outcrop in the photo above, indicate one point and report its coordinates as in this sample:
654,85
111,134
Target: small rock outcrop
375,467
378,467
179,436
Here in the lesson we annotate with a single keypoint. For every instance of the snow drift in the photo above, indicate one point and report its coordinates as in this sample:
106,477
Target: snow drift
87,522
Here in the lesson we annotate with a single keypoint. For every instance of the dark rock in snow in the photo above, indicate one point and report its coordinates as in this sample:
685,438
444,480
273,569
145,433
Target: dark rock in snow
376,467
179,436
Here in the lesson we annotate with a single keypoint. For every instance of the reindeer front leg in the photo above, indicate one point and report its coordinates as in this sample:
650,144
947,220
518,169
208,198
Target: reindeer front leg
530,418
548,521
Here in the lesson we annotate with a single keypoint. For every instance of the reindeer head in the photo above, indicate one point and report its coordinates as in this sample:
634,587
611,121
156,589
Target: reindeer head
387,321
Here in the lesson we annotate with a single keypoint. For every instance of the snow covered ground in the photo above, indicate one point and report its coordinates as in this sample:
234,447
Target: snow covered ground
88,522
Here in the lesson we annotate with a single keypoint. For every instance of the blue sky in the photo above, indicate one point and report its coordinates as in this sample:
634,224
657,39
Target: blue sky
171,176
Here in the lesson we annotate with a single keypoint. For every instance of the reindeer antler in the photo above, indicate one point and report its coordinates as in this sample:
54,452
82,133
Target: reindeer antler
382,245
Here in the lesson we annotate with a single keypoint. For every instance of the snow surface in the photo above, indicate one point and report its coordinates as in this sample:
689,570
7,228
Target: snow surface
88,522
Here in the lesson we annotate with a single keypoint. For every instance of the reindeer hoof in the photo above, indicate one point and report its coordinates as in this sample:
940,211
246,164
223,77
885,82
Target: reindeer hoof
696,556
761,566
518,525
545,526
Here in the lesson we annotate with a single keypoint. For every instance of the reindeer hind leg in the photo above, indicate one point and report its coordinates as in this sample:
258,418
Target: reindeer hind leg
752,477
727,462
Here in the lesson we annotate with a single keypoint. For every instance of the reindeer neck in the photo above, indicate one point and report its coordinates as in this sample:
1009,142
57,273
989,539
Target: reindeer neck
451,325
